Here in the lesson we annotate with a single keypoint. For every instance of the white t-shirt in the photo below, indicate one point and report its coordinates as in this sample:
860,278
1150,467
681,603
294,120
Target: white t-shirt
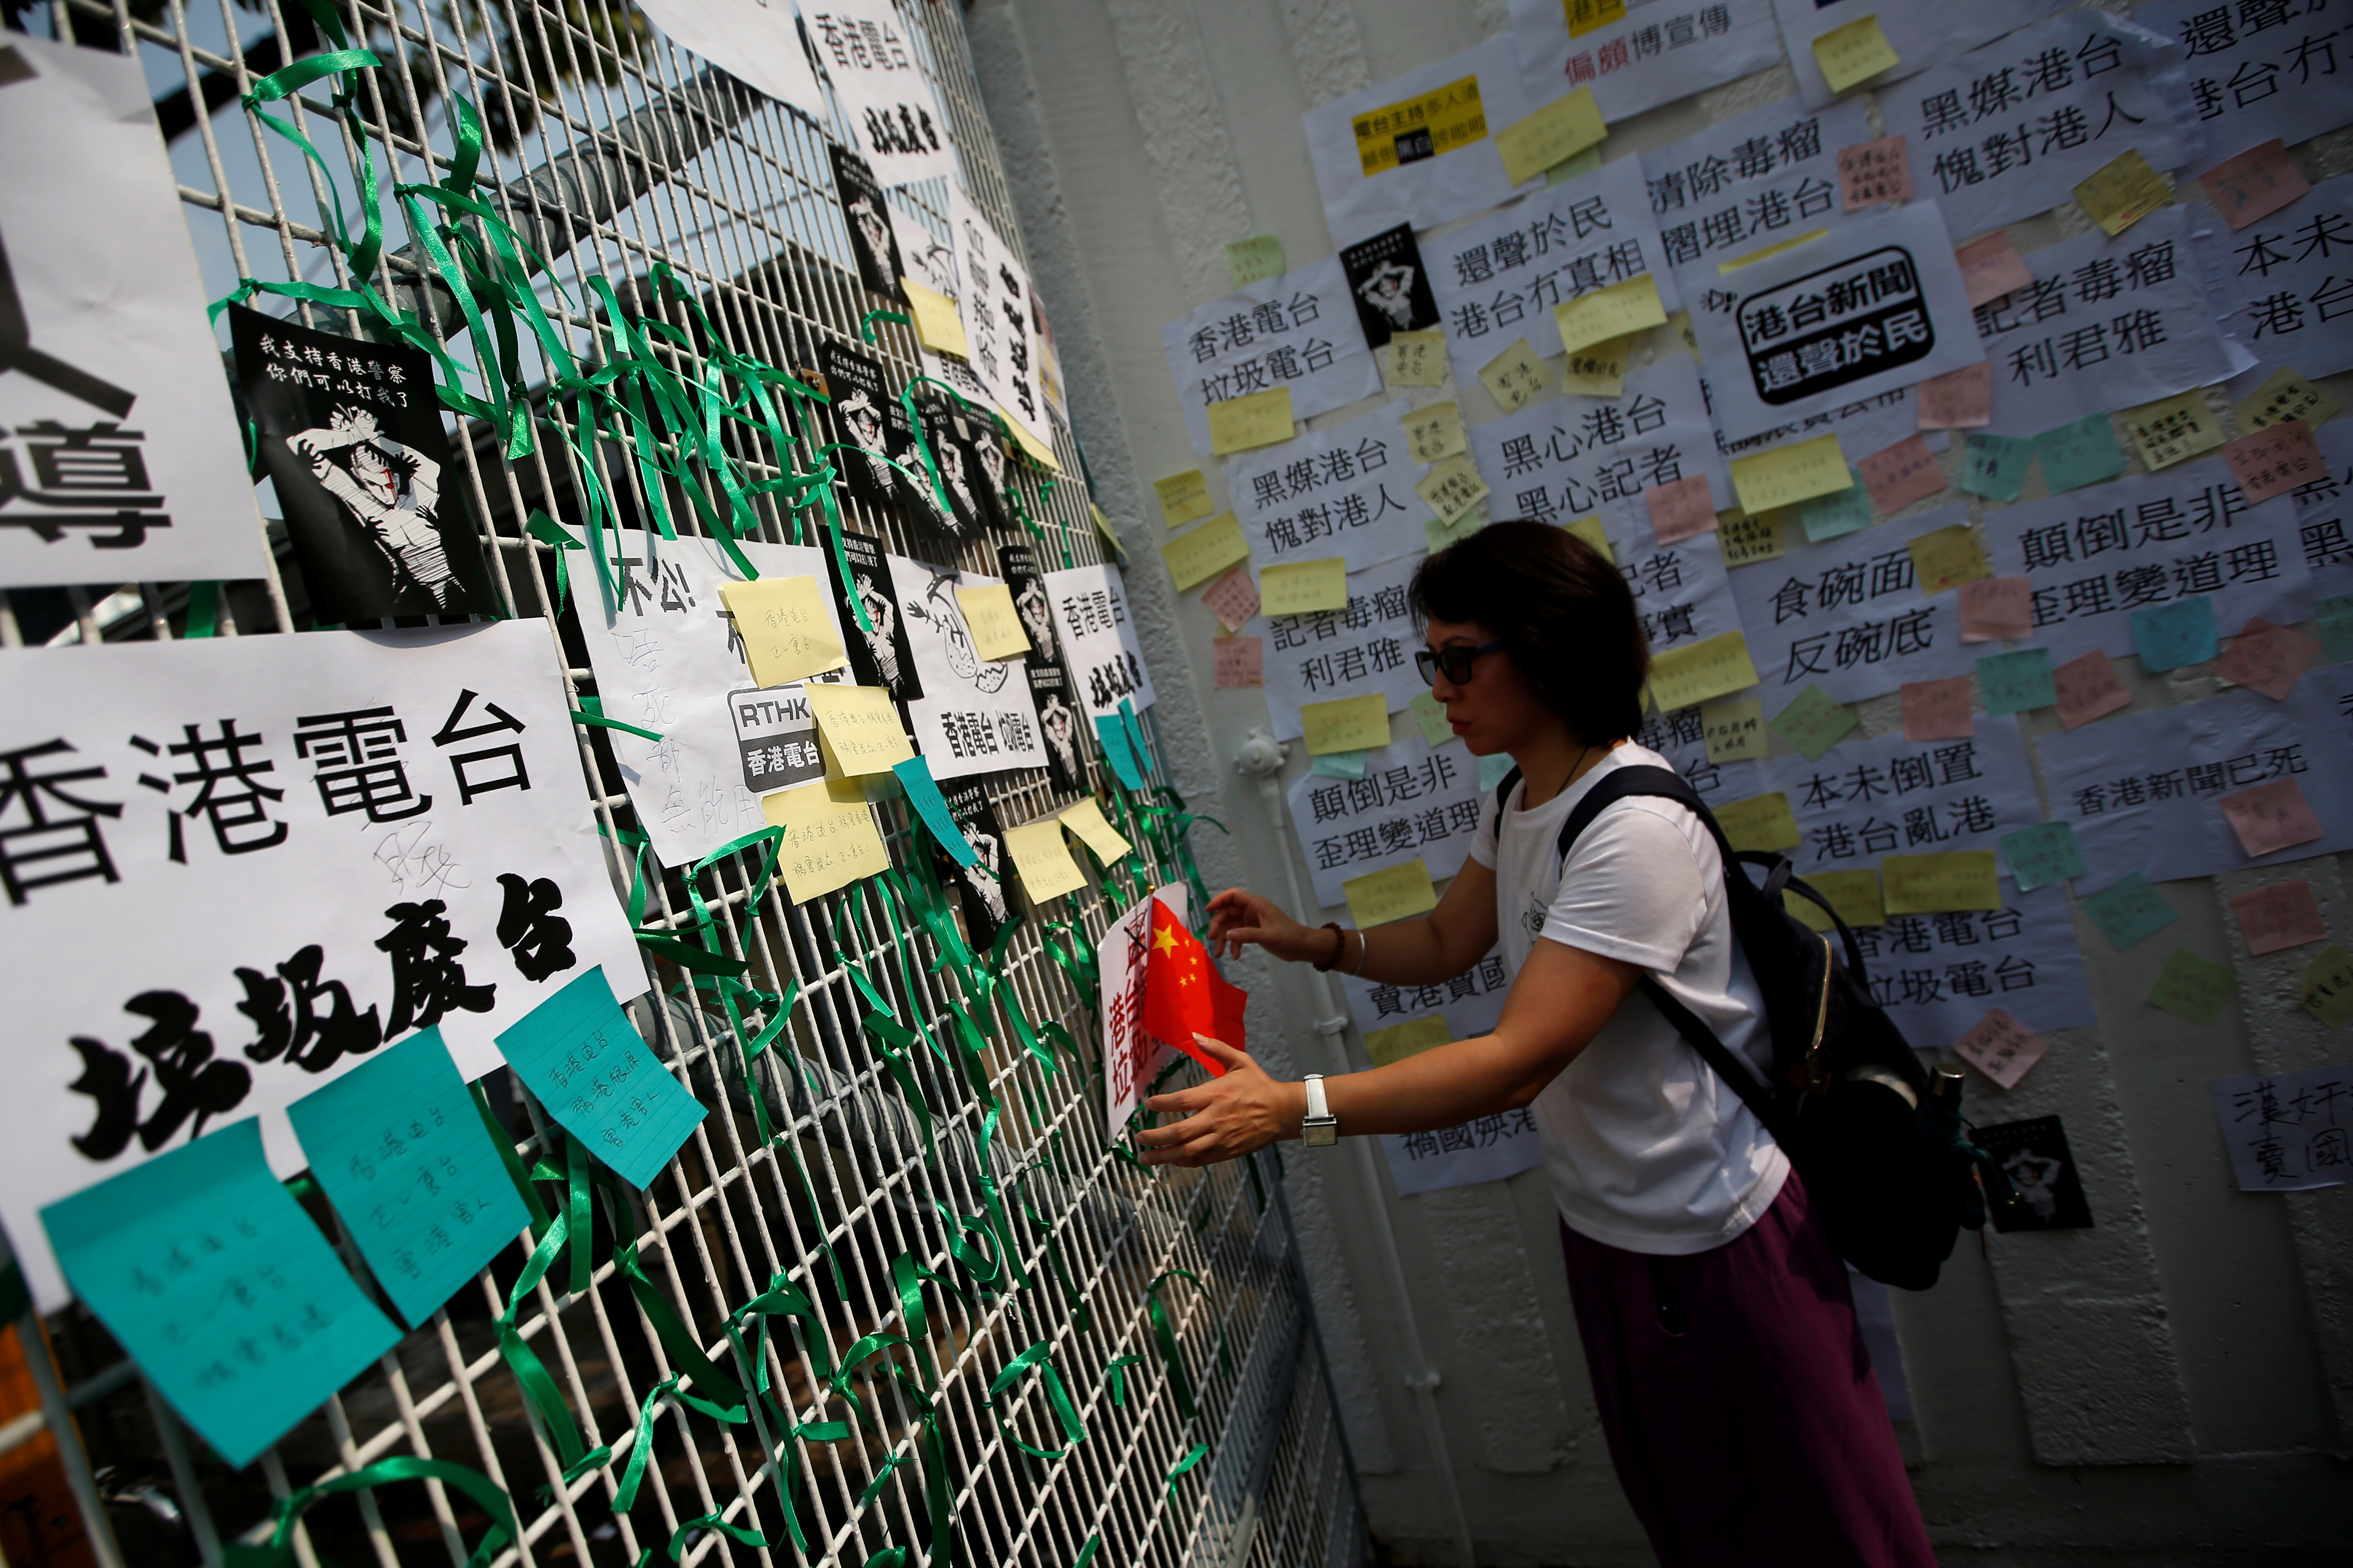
1648,1150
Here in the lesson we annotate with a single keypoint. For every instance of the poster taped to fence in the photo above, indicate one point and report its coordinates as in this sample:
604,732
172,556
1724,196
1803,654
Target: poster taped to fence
1130,1056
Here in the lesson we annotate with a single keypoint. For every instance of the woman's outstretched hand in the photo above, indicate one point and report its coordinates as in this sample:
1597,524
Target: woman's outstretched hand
1227,1117
1239,916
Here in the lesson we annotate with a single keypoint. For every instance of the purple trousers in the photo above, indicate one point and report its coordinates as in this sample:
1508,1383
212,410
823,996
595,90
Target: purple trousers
1741,1409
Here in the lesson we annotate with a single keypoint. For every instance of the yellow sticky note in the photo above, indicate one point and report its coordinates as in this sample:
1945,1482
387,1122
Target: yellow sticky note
1183,497
1940,884
859,730
1760,822
1349,724
1086,819
1398,893
1584,164
1516,376
1706,669
1948,557
1253,260
2173,428
1040,453
1400,1041
2123,192
1630,307
1598,370
1553,134
1428,712
1784,475
2328,986
1453,486
1427,125
938,326
1746,540
2286,395
1853,53
1734,730
1438,535
1588,16
1756,255
830,840
1042,857
994,623
1589,529
1197,556
1435,432
1304,587
1111,540
787,634
1418,359
1854,894
1260,419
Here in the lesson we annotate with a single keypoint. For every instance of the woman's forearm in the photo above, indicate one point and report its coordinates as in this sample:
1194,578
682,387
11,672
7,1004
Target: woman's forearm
1441,1088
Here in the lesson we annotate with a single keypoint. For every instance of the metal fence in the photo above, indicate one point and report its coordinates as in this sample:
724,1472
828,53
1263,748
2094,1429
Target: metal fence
611,151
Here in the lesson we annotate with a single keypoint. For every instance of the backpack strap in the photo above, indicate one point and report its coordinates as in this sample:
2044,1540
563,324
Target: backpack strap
1502,796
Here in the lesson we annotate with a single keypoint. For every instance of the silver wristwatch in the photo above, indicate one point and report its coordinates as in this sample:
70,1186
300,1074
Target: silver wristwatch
1319,1128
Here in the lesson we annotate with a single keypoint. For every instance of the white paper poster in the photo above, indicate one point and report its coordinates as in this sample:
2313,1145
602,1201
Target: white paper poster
1872,307
2289,1133
2108,324
121,456
1683,591
1653,53
1413,802
1363,650
668,659
1848,615
1098,638
1130,1055
1346,492
2096,555
2286,279
1566,457
995,304
976,715
1297,330
1497,279
1751,181
1921,35
1871,424
1420,148
754,41
2258,72
232,869
2142,788
2324,514
1939,974
868,51
1894,797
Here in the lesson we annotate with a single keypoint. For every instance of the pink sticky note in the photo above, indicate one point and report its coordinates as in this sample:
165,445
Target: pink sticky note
1958,400
1682,509
2271,818
2257,182
1238,662
1990,267
1993,608
2280,916
1232,599
2267,659
1939,709
2088,687
2001,1048
2275,459
1902,474
1873,171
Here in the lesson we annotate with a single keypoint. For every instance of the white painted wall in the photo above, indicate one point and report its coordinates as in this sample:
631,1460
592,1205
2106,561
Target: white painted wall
2173,1386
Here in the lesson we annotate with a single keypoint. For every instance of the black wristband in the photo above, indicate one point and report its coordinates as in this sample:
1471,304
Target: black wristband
1339,947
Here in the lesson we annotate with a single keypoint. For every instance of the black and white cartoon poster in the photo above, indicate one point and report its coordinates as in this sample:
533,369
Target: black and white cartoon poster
1387,282
975,715
865,415
119,443
868,217
1059,720
349,432
983,887
879,655
2035,1156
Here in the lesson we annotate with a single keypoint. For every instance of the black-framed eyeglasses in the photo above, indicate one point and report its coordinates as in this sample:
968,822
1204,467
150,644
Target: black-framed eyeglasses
1456,661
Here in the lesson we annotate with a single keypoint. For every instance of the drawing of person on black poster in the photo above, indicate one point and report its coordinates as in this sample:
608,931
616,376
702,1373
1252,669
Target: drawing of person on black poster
1059,718
981,887
1391,289
349,433
881,656
868,217
954,509
867,416
2042,1170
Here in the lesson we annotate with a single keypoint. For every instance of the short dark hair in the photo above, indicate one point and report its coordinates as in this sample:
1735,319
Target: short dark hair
1559,608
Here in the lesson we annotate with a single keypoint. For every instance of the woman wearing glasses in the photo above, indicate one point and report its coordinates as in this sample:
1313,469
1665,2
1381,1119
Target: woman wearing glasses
1740,1407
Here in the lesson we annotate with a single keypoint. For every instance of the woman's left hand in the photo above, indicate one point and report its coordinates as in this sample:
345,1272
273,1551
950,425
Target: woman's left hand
1224,1118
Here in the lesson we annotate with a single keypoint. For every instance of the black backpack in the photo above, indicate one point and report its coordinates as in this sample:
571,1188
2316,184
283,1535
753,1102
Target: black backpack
1882,1150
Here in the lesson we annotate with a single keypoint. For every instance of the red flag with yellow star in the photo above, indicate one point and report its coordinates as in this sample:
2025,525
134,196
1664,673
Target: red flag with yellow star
1185,995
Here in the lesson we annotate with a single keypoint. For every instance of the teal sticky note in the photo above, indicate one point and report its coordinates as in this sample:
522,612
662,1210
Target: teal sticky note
220,1286
1114,745
914,776
2014,682
580,1054
1339,765
2130,912
2168,636
2337,628
406,1160
1995,467
2043,854
2083,453
1492,769
1135,728
1839,513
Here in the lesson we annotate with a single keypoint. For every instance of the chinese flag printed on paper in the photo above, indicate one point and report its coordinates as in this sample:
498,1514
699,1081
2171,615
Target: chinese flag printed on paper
1184,994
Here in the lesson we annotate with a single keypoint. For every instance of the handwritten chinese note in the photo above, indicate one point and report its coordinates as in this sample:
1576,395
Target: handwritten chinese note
1871,172
787,629
2281,916
1931,884
2043,854
1713,666
1745,540
1937,710
1902,474
1991,267
860,730
1516,376
1398,893
1418,359
2289,1133
1453,486
2130,912
1202,553
1253,260
2328,986
2079,454
1237,662
992,621
2123,192
1958,399
2001,1048
1996,608
2267,659
1086,819
2286,395
1813,723
1855,53
2276,460
2087,689
1788,474
1304,587
830,840
2193,987
2256,183
1183,497
2271,818
2173,428
578,1052
1435,431
1255,419
1349,724
1734,732
1232,598
1680,509
1553,134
